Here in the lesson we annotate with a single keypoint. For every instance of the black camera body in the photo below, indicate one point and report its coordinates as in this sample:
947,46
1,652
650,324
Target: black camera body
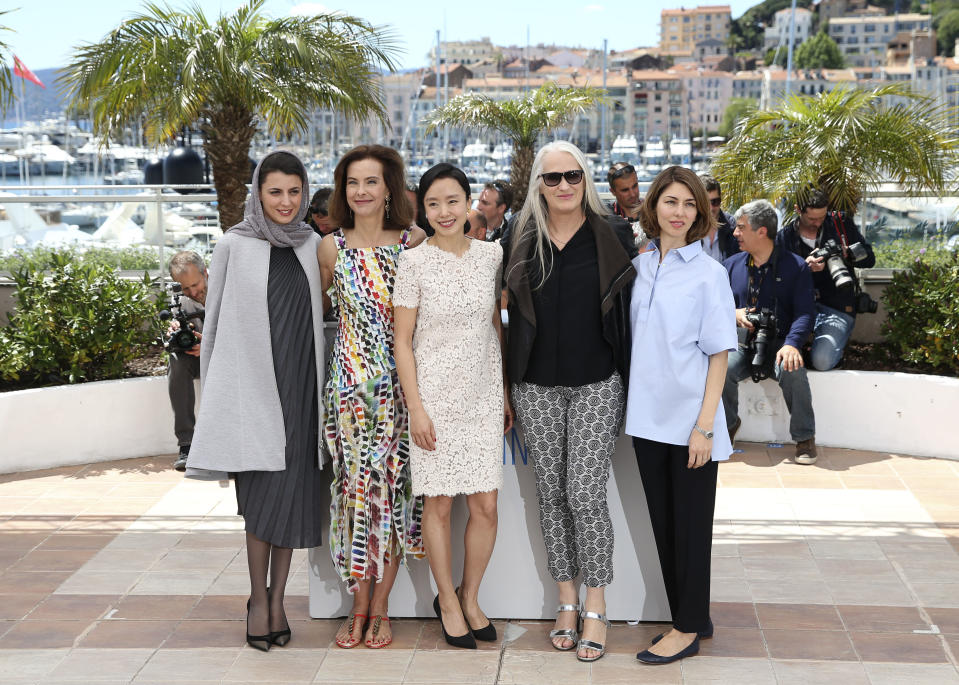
865,304
831,253
183,338
760,341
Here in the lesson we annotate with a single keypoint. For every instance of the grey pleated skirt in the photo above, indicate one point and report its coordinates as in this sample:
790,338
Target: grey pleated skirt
283,507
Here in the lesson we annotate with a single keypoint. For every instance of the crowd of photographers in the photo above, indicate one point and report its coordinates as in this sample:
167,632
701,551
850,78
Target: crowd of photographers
795,288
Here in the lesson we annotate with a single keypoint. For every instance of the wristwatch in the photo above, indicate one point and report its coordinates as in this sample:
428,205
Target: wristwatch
706,434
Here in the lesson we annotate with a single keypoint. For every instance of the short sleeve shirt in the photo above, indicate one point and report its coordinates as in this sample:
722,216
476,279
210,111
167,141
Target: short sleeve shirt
681,312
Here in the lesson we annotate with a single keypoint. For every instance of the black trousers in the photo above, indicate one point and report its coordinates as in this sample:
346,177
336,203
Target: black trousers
681,503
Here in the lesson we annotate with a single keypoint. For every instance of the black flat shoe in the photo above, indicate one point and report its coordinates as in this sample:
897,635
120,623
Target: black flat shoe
704,635
260,642
486,633
466,641
648,657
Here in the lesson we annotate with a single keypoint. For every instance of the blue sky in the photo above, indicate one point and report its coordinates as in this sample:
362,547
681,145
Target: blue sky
44,31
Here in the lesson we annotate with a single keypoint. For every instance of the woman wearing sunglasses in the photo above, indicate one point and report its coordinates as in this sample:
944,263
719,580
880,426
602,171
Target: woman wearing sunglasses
568,276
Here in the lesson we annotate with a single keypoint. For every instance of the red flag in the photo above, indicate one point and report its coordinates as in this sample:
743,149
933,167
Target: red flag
20,69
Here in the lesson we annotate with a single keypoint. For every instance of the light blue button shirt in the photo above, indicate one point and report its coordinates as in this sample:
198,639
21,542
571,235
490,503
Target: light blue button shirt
681,312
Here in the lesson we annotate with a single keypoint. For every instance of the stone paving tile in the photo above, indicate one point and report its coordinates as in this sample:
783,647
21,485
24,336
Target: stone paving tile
798,617
289,667
822,645
703,669
898,647
96,665
43,634
127,634
16,606
378,666
913,674
78,607
882,619
31,582
177,665
29,664
154,607
819,673
734,642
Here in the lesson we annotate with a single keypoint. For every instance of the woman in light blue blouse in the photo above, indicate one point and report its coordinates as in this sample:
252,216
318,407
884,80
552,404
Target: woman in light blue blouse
683,325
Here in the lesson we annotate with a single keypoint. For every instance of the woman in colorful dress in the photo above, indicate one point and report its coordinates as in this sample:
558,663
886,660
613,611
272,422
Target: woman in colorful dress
448,332
375,520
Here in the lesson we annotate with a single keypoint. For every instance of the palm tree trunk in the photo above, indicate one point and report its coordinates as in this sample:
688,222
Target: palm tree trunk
228,132
519,173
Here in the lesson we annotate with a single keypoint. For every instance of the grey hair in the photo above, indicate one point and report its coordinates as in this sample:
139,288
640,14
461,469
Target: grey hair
760,213
535,211
183,260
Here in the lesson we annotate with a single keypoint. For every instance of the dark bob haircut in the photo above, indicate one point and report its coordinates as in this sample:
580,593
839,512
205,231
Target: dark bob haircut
704,222
434,174
401,211
284,162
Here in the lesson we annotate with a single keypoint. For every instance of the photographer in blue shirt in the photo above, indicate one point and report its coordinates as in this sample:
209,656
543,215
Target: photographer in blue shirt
775,309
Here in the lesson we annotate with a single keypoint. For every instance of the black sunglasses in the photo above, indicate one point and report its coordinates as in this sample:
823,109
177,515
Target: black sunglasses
553,178
716,201
622,171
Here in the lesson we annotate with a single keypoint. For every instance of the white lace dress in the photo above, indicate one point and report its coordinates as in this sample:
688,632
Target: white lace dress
458,365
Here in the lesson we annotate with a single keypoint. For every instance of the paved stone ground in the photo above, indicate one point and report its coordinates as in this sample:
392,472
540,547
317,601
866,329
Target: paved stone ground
844,572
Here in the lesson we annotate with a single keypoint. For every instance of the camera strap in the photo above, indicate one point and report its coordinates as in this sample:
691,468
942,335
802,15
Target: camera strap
758,288
839,225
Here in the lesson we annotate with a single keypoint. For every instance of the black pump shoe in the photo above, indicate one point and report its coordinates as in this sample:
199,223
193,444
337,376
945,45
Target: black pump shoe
466,641
703,635
487,633
260,642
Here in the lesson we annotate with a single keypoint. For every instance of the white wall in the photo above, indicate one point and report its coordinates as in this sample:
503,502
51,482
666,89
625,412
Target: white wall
517,583
80,424
868,410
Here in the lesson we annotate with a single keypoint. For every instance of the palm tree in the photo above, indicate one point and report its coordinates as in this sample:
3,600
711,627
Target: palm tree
174,69
521,120
845,142
6,73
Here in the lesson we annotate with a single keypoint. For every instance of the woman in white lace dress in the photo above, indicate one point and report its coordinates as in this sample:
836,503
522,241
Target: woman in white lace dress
447,346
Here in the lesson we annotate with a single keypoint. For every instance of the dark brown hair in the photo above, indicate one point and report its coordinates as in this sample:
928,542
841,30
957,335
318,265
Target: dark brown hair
394,176
704,222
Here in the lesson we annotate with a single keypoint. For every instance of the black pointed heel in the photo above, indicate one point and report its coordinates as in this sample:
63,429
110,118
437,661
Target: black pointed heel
260,642
486,633
465,641
281,638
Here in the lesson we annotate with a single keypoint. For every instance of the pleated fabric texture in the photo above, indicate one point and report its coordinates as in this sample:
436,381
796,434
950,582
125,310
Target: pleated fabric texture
283,507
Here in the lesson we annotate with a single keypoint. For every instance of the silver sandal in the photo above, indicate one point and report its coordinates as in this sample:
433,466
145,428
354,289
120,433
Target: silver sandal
590,644
570,634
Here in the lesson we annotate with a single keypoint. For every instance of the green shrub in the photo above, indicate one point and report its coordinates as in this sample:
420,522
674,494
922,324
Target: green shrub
902,253
923,313
76,321
43,258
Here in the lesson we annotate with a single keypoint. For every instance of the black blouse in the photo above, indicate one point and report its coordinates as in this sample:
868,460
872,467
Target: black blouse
569,348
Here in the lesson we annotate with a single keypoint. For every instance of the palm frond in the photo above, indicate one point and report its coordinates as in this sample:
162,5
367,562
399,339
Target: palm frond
845,141
521,119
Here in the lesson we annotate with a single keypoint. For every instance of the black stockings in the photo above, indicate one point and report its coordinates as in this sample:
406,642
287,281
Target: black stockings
266,608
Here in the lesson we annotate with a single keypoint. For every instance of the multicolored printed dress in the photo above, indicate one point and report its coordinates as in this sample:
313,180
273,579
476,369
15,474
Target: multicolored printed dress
366,423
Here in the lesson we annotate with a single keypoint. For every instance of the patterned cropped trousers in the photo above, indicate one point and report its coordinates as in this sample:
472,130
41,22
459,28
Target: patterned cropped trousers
571,435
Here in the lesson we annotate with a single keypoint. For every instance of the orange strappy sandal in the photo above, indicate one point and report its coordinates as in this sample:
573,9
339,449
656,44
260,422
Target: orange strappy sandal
377,621
352,641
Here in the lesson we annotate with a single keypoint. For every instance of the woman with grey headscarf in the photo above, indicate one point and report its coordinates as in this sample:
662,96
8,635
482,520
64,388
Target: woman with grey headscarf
261,362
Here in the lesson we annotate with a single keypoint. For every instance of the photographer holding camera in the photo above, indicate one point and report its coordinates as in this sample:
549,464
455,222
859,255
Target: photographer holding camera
189,271
773,291
832,246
